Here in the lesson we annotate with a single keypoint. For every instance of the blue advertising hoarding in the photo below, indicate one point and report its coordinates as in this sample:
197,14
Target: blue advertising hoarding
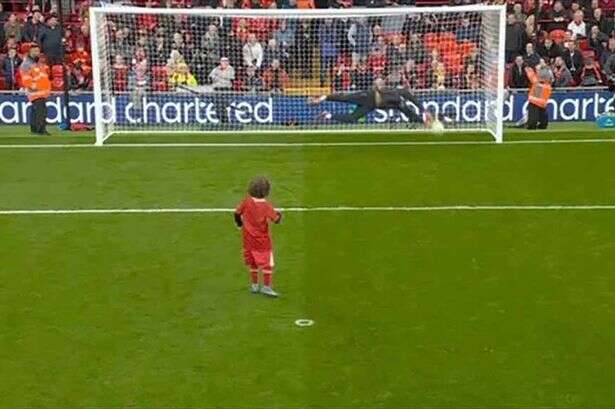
169,108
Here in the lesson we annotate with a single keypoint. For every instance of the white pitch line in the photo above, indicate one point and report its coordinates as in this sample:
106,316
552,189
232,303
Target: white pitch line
299,144
313,209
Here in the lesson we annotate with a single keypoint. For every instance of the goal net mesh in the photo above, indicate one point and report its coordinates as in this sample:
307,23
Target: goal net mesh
214,70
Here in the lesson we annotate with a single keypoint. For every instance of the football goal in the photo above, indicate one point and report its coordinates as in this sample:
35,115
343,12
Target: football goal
206,71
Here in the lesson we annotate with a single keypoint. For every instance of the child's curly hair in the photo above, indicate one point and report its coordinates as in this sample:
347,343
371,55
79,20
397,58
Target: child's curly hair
259,188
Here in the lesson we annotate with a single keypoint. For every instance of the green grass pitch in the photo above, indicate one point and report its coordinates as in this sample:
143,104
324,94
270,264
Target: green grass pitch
446,309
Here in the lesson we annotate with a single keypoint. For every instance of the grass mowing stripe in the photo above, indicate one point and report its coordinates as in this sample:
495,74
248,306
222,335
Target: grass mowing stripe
314,209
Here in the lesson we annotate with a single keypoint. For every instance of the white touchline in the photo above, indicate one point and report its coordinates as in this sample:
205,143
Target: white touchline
556,207
298,144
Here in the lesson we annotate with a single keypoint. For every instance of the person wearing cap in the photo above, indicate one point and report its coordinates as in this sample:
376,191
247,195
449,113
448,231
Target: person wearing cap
35,80
538,97
222,78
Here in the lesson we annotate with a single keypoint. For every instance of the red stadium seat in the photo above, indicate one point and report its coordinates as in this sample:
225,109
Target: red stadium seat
160,86
466,47
431,40
159,73
2,84
557,36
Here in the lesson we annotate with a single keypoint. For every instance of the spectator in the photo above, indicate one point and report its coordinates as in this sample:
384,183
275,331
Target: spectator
159,50
439,75
306,4
120,45
531,57
359,37
33,28
518,76
609,66
275,78
416,49
305,43
467,31
82,57
563,78
558,13
285,35
589,75
470,78
342,77
223,75
577,26
328,42
51,41
410,76
119,63
253,83
138,78
84,36
10,67
397,54
513,38
597,40
182,76
362,77
610,50
518,13
272,52
180,45
573,57
549,50
175,59
13,28
377,62
253,53
79,78
605,25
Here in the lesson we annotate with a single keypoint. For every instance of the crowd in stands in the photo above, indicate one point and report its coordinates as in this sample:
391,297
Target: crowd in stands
573,40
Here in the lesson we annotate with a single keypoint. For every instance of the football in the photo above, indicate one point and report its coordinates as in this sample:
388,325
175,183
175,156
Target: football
437,127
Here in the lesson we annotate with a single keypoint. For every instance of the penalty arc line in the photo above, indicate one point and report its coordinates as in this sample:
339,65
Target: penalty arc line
16,212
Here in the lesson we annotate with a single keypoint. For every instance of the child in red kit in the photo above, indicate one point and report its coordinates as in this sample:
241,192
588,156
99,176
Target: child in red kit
253,216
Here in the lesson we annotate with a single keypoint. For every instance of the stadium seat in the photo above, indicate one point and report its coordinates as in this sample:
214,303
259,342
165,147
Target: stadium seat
2,84
431,40
160,86
557,36
159,73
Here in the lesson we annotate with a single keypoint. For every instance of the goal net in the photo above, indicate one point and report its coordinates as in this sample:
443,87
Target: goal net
253,70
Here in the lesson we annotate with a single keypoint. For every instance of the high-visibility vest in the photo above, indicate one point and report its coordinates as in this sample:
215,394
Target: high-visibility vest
540,91
35,79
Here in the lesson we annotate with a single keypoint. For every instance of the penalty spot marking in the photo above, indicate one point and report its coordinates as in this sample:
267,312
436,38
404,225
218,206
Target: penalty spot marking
555,207
304,322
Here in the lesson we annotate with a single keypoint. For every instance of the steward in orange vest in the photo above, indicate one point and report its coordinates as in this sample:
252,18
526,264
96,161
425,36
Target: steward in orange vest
35,80
538,97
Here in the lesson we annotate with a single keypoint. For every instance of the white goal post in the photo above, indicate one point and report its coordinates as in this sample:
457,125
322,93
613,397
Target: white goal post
206,71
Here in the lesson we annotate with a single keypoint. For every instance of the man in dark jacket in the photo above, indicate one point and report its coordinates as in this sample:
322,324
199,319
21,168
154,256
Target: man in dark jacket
33,28
549,50
51,41
514,38
573,57
518,77
10,65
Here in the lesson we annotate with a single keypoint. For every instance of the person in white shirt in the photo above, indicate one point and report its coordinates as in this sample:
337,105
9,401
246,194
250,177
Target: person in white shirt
253,53
577,26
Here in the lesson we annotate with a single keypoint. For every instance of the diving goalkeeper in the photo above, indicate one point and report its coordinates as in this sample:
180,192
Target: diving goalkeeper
379,97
